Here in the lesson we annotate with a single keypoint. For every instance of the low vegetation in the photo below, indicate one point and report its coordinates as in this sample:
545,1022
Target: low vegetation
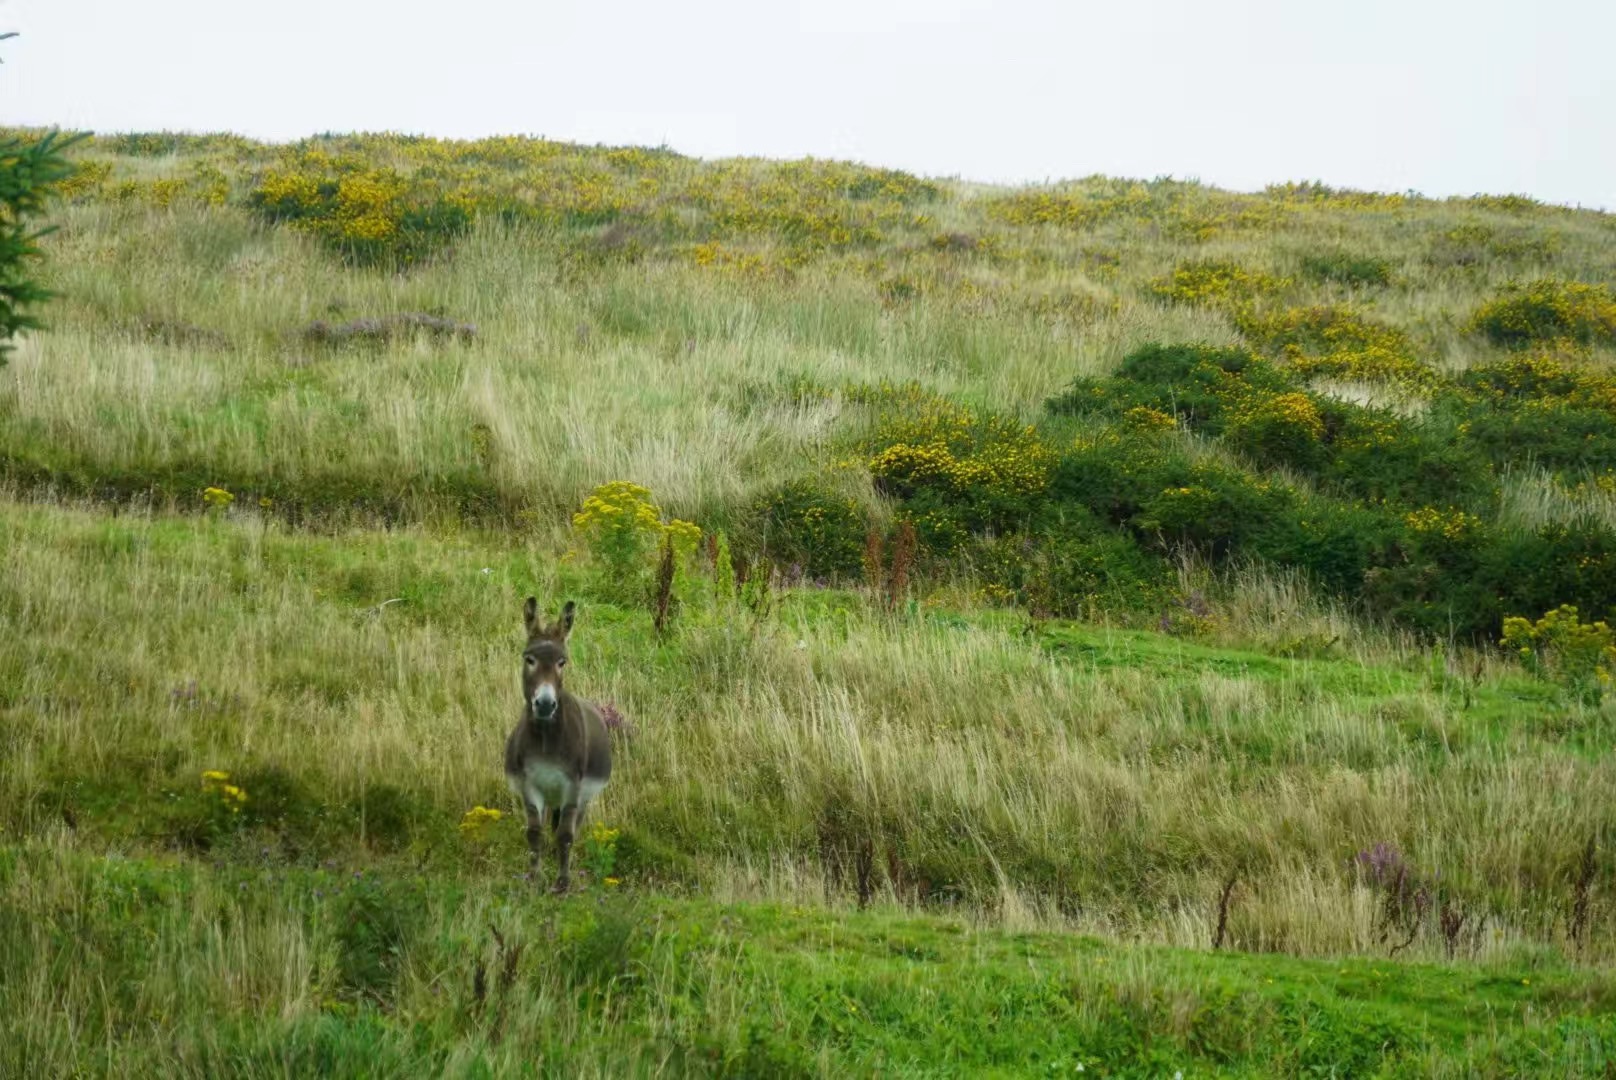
1128,625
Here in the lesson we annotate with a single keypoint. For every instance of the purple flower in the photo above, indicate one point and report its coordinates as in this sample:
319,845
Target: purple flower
1382,864
614,719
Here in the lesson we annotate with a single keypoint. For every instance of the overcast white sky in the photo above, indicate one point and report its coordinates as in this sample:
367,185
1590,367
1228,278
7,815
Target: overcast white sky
1441,96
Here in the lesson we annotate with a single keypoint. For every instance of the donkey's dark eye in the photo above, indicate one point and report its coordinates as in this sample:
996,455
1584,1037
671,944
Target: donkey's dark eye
561,663
529,660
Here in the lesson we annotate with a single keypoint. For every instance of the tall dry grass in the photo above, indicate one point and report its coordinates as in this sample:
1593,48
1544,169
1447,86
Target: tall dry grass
1101,779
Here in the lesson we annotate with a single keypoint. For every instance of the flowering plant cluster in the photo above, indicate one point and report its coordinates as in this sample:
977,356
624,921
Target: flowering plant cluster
1560,646
1216,283
623,530
231,797
1547,311
1338,342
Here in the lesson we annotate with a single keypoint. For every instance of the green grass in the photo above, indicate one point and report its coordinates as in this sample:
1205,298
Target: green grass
1076,776
137,965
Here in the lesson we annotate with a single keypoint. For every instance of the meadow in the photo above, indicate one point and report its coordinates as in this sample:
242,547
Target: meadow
1119,627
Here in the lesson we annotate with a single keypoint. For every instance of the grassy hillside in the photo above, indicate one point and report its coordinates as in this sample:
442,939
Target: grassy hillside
1410,401
1061,583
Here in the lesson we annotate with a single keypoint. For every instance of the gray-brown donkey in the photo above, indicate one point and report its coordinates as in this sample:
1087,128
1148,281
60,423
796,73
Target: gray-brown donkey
559,756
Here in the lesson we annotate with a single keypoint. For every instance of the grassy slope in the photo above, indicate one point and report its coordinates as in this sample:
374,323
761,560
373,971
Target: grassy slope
134,966
623,351
1122,779
1013,782
1119,773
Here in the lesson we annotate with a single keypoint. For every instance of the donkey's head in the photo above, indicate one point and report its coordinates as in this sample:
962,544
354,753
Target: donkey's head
543,659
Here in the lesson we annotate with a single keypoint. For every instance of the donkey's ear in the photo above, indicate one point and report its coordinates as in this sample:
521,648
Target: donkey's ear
563,626
530,614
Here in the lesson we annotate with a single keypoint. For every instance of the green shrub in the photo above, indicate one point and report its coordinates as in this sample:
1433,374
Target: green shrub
1284,428
1085,397
1261,411
1431,579
1113,475
1344,268
1196,384
1381,457
1549,376
1073,568
1571,562
1150,486
865,182
1473,245
621,529
1547,310
1398,519
1450,538
806,523
171,143
1552,434
1337,341
1335,543
1453,574
1168,365
1071,207
1321,329
1217,510
623,532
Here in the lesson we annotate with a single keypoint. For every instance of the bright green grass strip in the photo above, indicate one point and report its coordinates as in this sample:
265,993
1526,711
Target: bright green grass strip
257,971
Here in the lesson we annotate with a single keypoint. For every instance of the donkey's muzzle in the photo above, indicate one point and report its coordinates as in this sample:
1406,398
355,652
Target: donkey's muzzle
545,704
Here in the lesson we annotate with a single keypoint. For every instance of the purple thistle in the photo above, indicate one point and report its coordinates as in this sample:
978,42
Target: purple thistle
1382,864
614,719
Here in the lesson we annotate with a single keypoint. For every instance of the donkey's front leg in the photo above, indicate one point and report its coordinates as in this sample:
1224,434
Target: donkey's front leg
535,835
566,827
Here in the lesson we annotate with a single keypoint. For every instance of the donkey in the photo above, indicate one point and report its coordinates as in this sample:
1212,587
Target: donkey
559,755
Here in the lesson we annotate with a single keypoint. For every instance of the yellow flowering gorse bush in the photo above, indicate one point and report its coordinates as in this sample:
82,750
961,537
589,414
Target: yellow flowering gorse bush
1565,375
1547,310
1144,418
1452,525
1216,284
1338,342
956,449
1287,426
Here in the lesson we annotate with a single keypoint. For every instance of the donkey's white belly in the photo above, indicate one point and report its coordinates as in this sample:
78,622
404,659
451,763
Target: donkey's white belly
549,786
